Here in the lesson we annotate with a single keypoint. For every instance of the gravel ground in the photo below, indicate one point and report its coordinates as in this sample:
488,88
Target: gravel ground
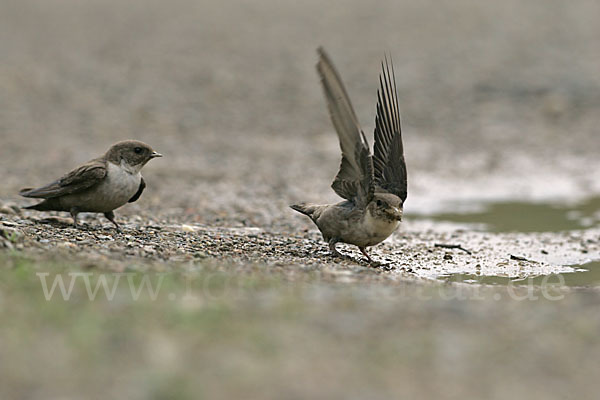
415,251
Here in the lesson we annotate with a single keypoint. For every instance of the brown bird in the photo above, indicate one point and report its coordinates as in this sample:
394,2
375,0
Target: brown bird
100,185
374,186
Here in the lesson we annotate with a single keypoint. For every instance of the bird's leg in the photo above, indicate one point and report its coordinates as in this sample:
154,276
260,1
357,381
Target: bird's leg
332,243
111,217
74,211
362,250
373,263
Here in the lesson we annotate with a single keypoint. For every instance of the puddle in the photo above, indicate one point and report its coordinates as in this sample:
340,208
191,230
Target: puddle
524,217
584,275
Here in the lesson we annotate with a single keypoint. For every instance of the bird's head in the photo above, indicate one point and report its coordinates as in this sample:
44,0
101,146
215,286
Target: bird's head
131,154
386,206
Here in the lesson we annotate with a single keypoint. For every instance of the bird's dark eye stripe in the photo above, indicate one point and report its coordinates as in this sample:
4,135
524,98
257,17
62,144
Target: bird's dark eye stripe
138,150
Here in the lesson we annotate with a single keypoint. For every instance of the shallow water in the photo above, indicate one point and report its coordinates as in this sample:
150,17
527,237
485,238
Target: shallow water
584,275
525,217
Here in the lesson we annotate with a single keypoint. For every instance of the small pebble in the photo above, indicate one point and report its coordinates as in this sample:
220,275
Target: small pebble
188,228
7,210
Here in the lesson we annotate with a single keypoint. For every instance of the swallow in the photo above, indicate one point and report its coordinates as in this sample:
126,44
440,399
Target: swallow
374,186
100,185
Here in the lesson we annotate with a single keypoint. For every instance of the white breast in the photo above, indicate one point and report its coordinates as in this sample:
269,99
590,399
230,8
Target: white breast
115,190
378,229
119,185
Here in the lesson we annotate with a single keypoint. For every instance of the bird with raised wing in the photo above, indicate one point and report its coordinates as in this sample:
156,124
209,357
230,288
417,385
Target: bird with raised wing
100,185
374,186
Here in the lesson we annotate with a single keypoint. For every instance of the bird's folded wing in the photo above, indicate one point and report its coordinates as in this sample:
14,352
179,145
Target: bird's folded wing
139,191
79,179
354,181
388,152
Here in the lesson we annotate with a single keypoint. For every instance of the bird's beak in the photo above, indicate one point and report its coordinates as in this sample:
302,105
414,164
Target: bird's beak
395,213
155,154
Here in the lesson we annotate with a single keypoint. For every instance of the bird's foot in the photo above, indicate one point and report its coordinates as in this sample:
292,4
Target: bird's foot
336,254
372,263
364,252
74,211
333,250
111,217
117,229
83,227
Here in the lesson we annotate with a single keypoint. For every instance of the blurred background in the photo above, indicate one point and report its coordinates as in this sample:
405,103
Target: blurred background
499,101
500,109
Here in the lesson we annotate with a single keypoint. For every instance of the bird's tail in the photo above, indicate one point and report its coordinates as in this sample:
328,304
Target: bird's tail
26,191
33,207
46,205
305,208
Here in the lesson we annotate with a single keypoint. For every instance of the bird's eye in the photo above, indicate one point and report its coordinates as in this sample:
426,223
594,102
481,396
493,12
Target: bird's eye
138,150
379,203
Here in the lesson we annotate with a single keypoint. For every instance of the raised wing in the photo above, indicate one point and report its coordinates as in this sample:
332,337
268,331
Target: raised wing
139,192
354,181
79,179
388,152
